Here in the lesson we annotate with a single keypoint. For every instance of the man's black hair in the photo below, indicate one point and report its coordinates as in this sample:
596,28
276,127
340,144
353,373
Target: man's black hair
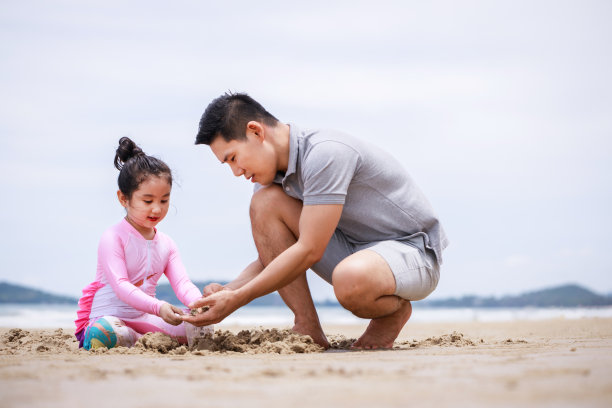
228,115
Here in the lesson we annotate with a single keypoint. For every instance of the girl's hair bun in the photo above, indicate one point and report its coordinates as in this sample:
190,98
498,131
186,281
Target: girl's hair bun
126,150
135,167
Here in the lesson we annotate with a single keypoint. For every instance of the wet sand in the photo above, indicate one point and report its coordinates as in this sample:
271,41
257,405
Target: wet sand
551,363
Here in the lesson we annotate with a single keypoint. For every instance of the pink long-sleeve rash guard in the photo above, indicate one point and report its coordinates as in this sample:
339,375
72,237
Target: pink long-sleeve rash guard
129,267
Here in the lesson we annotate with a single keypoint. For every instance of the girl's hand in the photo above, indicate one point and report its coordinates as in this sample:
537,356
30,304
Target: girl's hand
212,288
169,313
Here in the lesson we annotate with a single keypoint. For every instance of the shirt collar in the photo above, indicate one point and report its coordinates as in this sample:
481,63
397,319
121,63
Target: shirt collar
293,149
293,155
126,225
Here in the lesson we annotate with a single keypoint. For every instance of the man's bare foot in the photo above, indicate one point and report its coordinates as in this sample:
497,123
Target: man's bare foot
382,331
315,331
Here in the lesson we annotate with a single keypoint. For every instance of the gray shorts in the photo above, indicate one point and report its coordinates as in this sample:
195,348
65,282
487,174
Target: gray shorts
414,267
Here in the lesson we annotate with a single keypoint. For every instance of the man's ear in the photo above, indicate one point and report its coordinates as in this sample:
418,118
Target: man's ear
122,198
256,130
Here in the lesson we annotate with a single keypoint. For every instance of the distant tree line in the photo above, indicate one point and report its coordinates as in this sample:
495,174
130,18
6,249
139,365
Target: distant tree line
560,296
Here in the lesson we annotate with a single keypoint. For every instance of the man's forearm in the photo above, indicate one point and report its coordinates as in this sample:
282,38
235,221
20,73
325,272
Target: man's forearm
317,225
279,273
246,275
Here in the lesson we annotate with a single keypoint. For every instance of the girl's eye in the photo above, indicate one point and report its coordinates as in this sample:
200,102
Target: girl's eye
164,201
148,201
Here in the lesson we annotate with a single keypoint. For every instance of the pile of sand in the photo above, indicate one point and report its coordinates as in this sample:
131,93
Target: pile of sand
339,342
257,341
19,341
455,339
254,341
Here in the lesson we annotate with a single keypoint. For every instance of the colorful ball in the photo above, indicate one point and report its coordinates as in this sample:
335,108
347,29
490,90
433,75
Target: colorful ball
100,334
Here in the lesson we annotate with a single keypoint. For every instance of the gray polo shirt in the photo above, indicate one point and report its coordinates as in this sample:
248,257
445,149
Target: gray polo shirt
381,201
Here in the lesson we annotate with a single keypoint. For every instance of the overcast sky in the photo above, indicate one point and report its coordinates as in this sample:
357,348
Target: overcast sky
501,111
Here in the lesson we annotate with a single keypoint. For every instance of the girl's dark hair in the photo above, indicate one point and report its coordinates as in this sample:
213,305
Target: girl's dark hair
135,167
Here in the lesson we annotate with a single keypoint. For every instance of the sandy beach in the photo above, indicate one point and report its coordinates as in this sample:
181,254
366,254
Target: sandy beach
551,363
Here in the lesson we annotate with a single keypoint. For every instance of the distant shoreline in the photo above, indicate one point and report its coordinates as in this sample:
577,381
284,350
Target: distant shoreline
570,295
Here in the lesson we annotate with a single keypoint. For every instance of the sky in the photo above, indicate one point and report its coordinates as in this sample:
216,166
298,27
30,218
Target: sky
500,110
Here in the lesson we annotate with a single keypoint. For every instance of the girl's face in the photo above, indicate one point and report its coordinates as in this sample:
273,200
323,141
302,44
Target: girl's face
148,205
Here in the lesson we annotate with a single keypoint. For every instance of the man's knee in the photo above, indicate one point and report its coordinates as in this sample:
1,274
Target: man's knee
264,201
271,204
351,286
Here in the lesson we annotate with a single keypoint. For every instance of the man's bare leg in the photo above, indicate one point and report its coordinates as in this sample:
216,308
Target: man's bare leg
364,284
298,298
274,220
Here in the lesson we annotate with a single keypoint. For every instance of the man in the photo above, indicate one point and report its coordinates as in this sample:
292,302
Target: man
329,202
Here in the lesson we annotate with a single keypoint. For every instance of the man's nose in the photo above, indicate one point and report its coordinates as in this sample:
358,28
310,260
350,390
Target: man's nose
238,171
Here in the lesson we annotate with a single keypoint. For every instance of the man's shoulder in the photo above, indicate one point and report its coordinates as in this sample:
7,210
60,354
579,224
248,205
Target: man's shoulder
315,136
328,141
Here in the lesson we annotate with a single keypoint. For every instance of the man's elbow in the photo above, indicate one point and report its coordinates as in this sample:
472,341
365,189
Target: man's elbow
314,255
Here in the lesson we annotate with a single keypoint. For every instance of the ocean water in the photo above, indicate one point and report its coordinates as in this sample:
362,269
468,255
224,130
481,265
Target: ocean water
52,316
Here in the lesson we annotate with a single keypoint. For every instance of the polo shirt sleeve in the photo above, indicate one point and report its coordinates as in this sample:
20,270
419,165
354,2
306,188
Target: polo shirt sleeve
327,170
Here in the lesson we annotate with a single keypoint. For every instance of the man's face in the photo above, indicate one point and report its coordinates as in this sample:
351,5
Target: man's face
251,158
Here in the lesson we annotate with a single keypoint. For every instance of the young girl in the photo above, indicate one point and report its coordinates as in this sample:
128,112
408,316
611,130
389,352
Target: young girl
120,305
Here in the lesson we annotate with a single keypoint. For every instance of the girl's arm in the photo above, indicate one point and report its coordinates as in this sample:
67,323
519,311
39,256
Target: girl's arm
111,260
175,271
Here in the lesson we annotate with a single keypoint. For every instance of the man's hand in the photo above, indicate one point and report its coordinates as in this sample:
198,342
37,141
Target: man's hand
169,314
222,303
212,288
